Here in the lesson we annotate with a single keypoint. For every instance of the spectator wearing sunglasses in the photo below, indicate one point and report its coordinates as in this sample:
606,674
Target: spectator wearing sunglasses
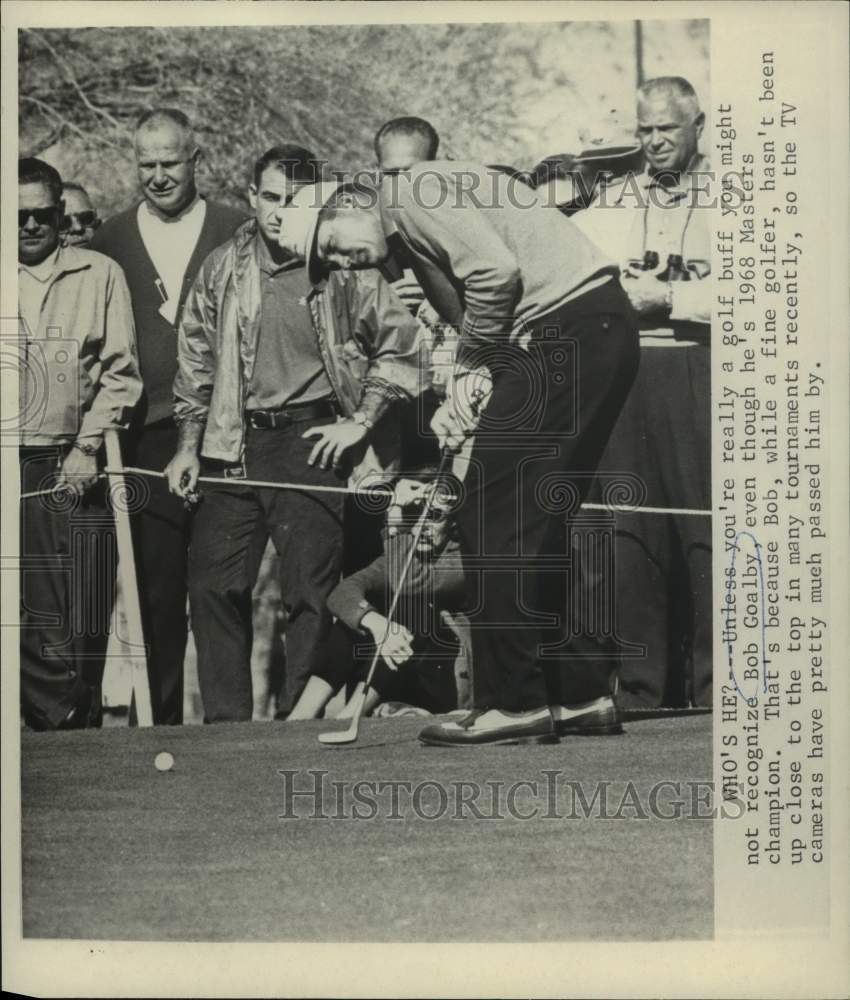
419,645
80,219
78,378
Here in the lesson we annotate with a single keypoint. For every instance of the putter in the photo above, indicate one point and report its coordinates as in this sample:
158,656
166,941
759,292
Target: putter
349,735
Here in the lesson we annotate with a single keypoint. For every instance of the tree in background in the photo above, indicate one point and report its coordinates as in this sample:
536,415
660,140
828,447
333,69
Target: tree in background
499,93
507,93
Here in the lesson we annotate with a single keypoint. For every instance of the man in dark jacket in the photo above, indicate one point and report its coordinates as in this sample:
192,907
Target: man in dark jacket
267,366
161,243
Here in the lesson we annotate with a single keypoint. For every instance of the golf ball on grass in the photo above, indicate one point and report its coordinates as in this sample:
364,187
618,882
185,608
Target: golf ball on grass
163,761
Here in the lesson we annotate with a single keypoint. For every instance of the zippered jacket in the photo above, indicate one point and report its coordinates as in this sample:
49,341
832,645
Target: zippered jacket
374,351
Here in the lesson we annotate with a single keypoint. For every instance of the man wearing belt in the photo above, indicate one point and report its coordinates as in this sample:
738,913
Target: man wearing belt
267,366
658,225
79,377
540,307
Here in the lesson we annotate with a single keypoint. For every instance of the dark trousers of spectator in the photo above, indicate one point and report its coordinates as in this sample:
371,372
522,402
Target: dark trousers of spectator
427,680
68,564
664,597
160,527
538,444
418,447
229,534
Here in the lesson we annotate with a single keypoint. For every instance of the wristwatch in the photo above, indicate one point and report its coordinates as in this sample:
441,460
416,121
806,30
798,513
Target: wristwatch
86,447
362,419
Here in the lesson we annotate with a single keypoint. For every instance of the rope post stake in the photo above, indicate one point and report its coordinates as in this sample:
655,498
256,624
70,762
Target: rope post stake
141,695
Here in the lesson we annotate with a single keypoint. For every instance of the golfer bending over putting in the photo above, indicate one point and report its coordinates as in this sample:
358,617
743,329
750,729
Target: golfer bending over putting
542,309
418,647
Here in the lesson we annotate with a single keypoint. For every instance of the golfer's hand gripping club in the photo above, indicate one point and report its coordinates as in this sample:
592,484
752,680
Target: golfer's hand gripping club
457,419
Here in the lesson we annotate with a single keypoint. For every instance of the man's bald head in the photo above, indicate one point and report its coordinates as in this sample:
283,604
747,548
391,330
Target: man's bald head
403,142
166,119
166,157
670,123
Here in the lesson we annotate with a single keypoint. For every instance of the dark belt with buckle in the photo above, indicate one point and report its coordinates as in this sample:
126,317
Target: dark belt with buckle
277,419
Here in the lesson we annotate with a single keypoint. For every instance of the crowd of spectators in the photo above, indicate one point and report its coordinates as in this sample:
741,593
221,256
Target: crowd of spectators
217,353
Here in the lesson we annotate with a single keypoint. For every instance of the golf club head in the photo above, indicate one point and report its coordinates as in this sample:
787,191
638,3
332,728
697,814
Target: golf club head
348,735
339,736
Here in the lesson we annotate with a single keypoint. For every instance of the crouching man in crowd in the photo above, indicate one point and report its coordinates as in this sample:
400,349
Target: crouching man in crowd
418,647
279,380
79,378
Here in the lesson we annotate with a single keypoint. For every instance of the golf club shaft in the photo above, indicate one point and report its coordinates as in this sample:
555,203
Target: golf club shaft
445,458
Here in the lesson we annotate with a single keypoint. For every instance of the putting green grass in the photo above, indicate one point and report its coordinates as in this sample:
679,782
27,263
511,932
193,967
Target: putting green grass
114,849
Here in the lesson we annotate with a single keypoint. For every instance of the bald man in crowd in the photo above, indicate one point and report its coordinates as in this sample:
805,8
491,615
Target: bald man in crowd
161,242
657,226
400,144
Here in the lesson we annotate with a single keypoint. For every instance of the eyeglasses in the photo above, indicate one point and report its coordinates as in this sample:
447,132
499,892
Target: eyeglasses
83,219
42,216
434,513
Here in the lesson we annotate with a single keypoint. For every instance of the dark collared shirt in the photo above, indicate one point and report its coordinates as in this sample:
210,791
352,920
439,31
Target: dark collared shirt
289,367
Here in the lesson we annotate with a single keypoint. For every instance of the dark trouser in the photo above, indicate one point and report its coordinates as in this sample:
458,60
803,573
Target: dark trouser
68,565
231,527
539,441
160,528
664,561
427,680
418,447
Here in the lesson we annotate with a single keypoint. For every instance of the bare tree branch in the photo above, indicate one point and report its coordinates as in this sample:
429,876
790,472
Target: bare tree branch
64,123
35,148
66,69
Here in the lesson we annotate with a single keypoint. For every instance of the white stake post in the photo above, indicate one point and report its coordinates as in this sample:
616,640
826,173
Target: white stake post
141,696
